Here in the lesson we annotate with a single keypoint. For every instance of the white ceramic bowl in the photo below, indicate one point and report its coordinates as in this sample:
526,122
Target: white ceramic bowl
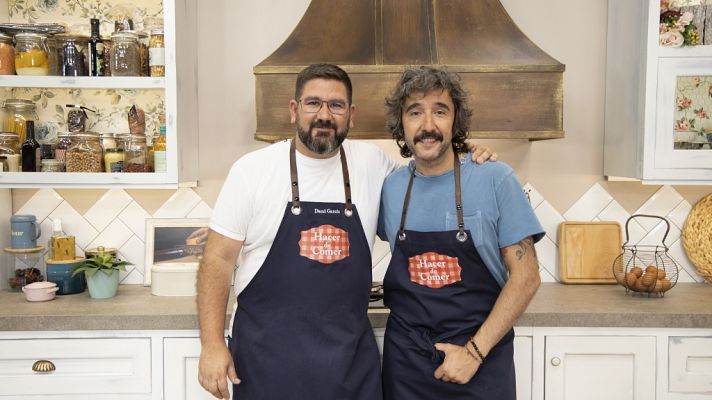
40,291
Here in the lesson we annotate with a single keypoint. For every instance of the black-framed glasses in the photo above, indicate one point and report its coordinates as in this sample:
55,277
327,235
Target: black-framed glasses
313,105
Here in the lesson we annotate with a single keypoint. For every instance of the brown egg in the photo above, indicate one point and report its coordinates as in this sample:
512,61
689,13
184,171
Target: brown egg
619,275
639,286
658,286
661,273
637,271
651,268
666,284
648,278
630,279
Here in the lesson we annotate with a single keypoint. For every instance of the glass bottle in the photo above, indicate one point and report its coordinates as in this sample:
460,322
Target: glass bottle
85,154
7,55
157,53
30,150
135,154
56,232
71,58
125,54
9,143
159,151
16,114
51,165
96,50
31,54
114,160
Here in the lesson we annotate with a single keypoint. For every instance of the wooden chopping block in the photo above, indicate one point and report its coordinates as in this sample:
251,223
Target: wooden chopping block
587,251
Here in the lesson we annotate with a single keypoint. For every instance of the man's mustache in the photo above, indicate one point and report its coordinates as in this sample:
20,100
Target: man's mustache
428,135
322,125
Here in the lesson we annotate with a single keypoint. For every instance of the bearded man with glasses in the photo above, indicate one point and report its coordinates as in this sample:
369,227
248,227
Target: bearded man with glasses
303,215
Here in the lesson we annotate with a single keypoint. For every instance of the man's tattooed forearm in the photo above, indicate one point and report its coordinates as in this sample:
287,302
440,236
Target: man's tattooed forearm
524,247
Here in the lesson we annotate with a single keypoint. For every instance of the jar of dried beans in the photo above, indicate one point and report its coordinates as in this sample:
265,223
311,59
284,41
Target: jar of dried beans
135,155
125,54
85,154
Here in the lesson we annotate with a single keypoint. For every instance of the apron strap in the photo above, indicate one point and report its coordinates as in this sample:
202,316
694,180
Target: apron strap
461,234
296,205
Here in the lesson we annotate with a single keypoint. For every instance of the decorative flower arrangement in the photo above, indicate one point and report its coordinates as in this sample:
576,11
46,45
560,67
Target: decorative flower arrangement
676,29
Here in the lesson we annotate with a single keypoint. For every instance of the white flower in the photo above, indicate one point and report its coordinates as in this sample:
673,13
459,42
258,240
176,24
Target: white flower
684,20
672,38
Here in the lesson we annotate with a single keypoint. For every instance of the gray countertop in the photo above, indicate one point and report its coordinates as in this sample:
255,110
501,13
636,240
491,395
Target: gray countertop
687,305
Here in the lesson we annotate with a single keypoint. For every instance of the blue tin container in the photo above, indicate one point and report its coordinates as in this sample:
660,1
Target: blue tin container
60,272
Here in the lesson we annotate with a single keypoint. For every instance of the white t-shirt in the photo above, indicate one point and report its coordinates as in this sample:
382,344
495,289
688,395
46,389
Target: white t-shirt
257,189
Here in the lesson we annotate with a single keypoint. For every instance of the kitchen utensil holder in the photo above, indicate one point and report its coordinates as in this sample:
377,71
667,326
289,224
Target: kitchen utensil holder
646,268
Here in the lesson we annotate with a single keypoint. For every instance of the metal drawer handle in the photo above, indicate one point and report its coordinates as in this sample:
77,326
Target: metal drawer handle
43,366
556,361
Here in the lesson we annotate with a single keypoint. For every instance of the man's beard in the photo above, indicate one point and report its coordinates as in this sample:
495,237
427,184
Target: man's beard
322,142
442,148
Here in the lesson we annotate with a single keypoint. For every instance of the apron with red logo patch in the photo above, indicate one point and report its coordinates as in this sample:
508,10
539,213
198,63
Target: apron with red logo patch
439,290
301,328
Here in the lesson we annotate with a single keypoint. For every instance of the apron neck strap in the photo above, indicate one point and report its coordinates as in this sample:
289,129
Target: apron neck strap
296,205
461,234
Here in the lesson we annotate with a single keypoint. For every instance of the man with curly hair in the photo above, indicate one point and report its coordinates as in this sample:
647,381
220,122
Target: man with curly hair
463,265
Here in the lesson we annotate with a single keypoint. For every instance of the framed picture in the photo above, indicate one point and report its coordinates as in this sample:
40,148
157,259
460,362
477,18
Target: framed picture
174,245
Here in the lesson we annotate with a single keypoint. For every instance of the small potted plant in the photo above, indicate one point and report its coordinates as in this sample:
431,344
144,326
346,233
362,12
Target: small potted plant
101,269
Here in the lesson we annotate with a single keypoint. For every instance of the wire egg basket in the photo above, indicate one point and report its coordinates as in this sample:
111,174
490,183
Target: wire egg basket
646,269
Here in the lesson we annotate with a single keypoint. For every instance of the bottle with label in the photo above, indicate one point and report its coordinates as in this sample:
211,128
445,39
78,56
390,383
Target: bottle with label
56,232
96,50
159,151
157,53
30,149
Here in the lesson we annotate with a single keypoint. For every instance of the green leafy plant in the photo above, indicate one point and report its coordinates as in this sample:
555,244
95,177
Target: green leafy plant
104,262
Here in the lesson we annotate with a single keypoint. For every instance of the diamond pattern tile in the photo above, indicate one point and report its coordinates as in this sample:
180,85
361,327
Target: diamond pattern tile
549,219
202,210
178,205
107,208
134,251
41,204
679,214
662,203
545,276
548,255
134,216
115,235
74,224
688,271
535,198
589,205
131,277
655,236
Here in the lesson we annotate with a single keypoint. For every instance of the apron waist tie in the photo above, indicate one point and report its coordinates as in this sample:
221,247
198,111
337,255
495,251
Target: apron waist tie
422,339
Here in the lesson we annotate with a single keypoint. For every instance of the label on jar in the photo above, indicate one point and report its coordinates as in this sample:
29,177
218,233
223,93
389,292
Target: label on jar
159,161
156,56
117,166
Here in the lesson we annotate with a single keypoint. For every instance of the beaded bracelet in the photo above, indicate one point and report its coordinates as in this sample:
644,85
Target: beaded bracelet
477,349
472,354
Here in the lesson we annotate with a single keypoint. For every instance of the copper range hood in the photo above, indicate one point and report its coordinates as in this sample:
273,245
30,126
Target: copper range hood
515,87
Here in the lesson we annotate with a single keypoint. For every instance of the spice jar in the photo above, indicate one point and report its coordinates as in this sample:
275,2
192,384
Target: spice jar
114,160
71,57
7,55
143,51
9,143
135,155
125,54
85,154
52,165
16,113
64,142
157,53
31,54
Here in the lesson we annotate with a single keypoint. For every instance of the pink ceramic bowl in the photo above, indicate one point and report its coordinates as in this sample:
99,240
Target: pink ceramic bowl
40,291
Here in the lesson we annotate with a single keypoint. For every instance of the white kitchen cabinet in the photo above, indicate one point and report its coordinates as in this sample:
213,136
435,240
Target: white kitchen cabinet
179,88
600,367
180,373
690,365
523,366
84,368
641,80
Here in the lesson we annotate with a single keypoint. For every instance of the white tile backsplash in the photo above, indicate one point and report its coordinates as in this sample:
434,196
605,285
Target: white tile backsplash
134,216
588,206
548,255
134,251
41,204
535,198
178,205
74,224
662,203
688,272
202,210
107,208
678,215
549,219
115,235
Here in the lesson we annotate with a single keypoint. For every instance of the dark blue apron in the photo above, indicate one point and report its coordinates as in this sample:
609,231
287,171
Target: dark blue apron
301,329
437,302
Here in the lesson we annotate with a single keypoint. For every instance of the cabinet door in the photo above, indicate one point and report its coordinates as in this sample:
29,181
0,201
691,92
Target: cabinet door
690,365
523,366
180,368
603,367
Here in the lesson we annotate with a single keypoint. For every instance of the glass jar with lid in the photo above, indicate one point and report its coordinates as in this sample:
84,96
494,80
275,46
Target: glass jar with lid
85,153
71,55
114,160
16,113
157,53
7,55
125,54
9,143
31,54
51,165
135,154
63,143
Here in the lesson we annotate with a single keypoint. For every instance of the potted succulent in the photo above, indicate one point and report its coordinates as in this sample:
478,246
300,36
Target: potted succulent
101,269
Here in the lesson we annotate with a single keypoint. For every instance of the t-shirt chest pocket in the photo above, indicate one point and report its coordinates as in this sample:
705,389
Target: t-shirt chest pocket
473,223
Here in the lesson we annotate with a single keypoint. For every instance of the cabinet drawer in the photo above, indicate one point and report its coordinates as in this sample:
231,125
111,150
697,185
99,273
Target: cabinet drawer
690,368
82,366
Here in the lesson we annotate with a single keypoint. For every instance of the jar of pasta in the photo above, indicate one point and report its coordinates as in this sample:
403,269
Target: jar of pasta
31,54
16,113
85,153
157,53
125,54
135,154
7,55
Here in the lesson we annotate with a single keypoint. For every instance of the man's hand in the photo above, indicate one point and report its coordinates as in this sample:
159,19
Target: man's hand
459,366
481,153
216,364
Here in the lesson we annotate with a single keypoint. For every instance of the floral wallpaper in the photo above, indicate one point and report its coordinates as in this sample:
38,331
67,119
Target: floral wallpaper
111,105
693,102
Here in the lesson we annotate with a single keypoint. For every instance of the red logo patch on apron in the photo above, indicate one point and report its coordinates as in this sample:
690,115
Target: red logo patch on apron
434,270
325,244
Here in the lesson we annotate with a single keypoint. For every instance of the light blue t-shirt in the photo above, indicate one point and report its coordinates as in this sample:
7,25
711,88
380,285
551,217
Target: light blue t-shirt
495,209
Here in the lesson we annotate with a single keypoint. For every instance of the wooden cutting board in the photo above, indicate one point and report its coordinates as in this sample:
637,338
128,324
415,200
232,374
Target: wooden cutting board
587,251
